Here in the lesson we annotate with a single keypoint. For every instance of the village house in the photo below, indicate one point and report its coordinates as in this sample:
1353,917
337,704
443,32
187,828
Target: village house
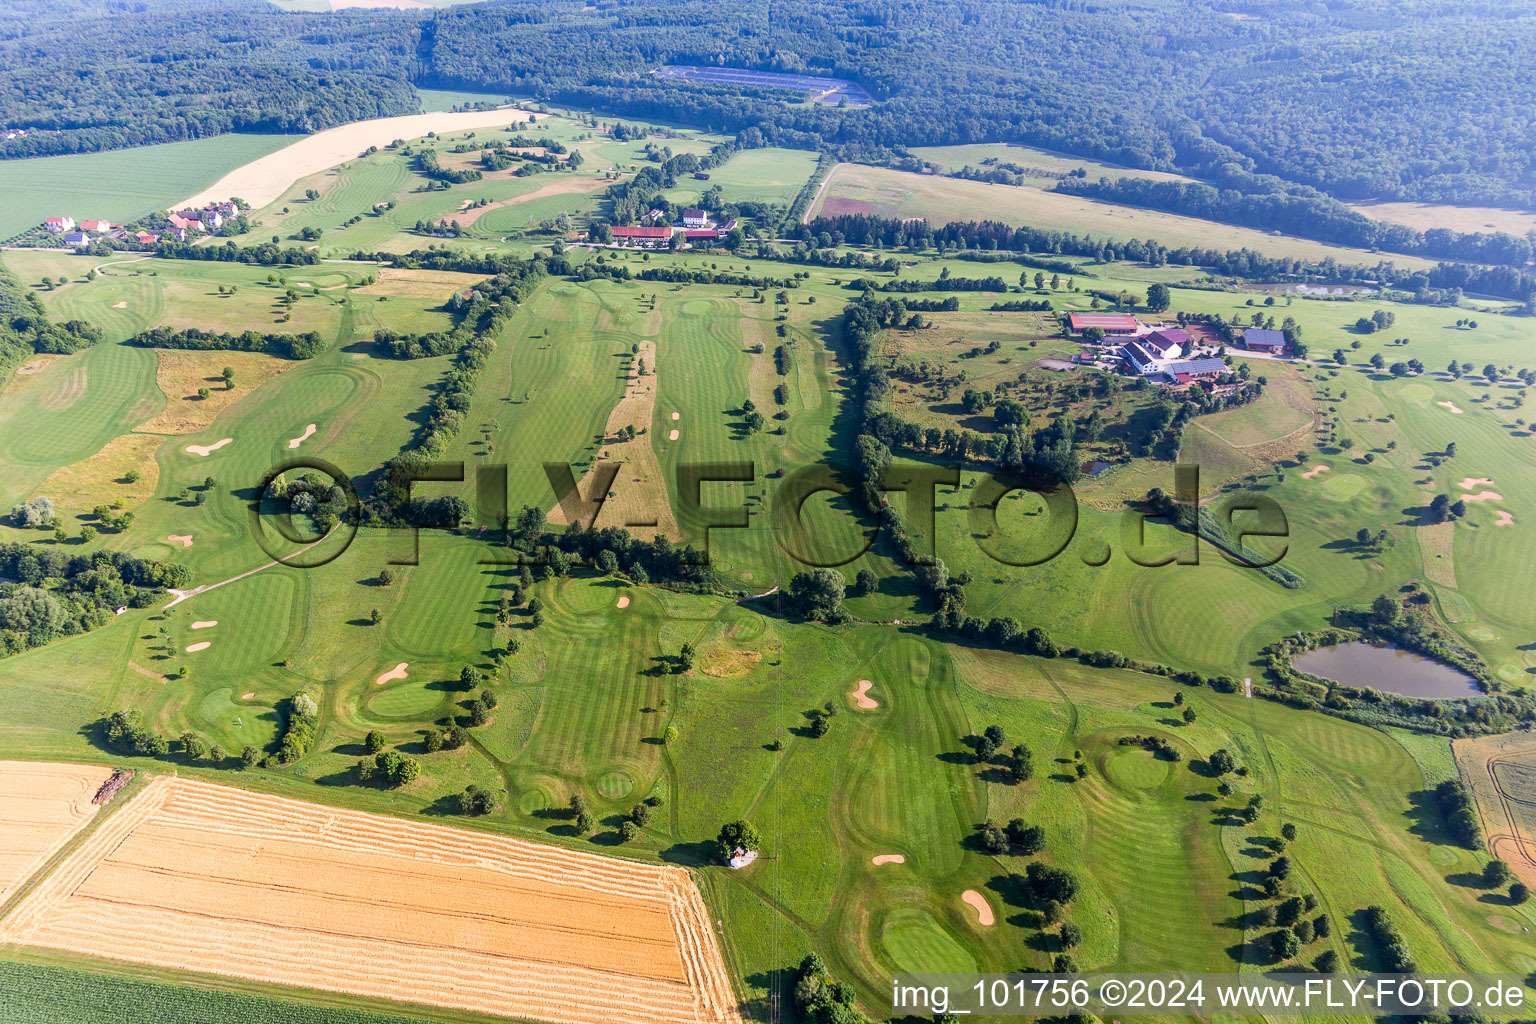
146,237
182,223
59,225
101,227
693,218
1256,339
1139,359
78,239
1165,344
1112,324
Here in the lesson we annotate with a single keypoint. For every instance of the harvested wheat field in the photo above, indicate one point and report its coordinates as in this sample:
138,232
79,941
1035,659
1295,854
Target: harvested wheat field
208,878
1501,771
41,806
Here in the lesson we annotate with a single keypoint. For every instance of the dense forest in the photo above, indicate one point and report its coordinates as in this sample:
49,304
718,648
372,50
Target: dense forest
1414,99
80,77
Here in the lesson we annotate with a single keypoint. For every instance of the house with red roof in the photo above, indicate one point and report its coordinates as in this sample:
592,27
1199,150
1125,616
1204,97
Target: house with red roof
99,226
1112,324
649,237
59,225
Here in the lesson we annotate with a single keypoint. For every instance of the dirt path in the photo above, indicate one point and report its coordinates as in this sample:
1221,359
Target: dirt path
816,199
753,597
182,595
101,268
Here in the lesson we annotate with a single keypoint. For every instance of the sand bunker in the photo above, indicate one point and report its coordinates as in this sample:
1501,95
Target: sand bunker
1483,496
308,431
120,305
202,646
672,436
1451,406
623,601
859,697
209,449
398,672
1475,481
190,875
888,858
1309,474
982,907
1504,519
185,539
677,415
205,624
248,696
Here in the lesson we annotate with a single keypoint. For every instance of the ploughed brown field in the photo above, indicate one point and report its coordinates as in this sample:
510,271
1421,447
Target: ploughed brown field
41,806
208,878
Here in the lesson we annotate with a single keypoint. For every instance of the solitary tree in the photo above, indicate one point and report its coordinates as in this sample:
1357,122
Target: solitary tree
740,834
374,741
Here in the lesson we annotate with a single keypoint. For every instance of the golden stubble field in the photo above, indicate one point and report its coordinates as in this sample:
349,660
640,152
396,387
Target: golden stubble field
41,806
208,878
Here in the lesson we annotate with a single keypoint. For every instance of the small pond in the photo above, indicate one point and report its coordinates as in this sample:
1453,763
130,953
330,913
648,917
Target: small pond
1387,668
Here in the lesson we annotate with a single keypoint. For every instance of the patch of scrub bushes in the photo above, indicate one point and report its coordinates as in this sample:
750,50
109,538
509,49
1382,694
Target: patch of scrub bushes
284,346
300,725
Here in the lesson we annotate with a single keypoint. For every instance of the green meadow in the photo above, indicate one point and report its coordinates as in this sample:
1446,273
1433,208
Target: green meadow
122,184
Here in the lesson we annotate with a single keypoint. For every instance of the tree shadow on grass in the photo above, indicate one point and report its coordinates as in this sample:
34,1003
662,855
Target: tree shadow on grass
696,854
444,806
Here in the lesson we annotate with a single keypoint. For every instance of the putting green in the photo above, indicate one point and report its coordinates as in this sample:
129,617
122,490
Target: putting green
236,726
1343,486
615,784
409,701
1417,392
532,801
1135,769
916,943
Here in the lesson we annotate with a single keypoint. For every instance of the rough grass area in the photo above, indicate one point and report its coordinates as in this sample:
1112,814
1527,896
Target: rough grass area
103,478
856,188
183,373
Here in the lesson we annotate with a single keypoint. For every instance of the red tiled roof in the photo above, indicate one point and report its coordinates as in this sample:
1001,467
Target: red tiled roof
642,232
1122,321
